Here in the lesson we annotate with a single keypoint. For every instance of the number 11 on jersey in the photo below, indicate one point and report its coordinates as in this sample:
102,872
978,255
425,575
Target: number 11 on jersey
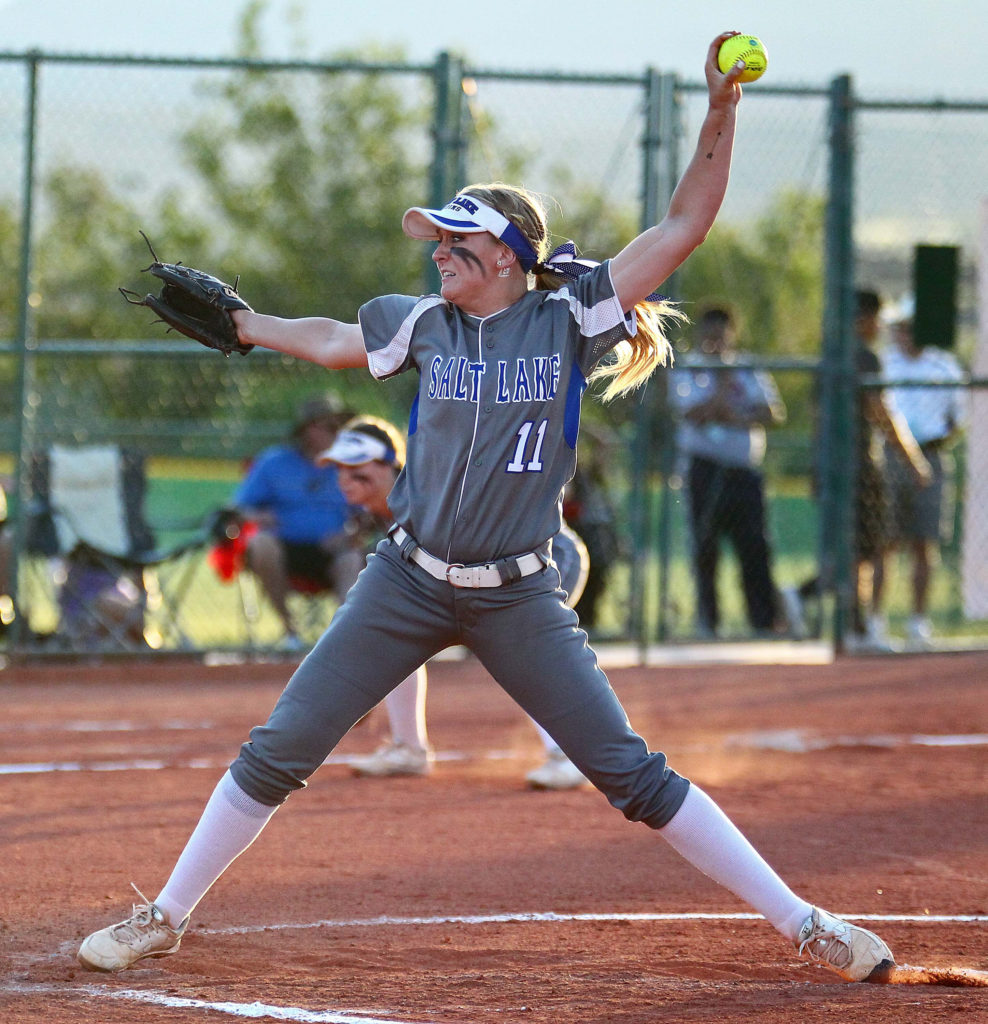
534,464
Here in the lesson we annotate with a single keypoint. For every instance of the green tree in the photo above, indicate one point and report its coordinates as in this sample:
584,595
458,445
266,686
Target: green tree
771,272
10,258
302,178
82,253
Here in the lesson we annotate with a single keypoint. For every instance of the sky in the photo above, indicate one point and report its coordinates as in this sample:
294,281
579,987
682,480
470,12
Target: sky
895,49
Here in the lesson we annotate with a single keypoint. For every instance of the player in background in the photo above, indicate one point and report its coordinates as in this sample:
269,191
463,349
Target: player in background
504,355
369,453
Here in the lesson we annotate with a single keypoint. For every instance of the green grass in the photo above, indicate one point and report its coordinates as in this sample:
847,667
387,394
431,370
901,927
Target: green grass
793,526
182,493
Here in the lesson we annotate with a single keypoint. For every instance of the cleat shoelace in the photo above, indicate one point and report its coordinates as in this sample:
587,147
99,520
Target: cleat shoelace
135,927
819,947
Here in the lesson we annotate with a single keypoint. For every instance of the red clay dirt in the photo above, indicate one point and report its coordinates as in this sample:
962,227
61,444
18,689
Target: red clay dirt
863,782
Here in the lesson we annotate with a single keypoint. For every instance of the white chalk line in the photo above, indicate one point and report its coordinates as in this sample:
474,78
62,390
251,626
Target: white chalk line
147,765
256,1010
552,917
159,764
803,741
791,741
92,725
253,1011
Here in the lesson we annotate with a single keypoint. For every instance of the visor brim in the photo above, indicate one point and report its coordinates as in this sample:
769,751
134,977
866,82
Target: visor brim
353,448
424,224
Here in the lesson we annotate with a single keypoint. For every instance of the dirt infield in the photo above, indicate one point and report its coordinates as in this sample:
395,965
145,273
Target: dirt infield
464,897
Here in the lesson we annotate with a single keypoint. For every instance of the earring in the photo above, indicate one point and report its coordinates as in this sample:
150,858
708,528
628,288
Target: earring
504,271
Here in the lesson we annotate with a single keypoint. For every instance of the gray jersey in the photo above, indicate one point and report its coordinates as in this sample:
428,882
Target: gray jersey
492,432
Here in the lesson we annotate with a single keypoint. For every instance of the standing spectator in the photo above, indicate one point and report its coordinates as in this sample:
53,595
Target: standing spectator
302,515
933,416
721,436
876,420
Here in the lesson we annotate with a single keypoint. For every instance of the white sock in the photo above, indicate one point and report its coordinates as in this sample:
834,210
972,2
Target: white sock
551,746
406,711
707,838
230,823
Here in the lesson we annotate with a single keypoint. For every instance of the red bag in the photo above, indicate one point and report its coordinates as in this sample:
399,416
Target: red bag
228,556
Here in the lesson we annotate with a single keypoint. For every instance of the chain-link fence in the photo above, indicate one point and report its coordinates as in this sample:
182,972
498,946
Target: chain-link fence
295,175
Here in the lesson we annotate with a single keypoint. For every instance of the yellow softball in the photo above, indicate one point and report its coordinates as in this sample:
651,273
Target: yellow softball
746,48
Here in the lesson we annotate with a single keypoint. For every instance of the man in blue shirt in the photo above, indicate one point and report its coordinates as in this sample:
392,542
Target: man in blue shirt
301,514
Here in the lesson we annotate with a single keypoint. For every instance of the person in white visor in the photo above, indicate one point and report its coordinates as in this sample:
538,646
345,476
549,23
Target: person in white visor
369,453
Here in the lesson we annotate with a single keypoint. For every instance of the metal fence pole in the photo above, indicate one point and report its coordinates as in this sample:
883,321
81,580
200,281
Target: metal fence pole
669,99
639,492
23,427
448,143
838,392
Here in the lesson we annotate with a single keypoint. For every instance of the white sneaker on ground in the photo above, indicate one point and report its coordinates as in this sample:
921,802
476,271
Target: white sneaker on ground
919,633
854,953
557,772
792,608
877,632
867,643
120,946
394,759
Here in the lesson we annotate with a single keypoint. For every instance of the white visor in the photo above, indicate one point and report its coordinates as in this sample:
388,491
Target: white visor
353,448
467,215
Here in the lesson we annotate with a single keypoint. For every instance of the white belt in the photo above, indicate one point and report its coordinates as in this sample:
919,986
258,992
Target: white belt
490,574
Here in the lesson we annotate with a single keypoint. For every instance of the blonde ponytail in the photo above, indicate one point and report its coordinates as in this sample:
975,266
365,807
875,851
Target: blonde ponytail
633,361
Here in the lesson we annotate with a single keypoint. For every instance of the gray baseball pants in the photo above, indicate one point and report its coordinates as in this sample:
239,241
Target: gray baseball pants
394,619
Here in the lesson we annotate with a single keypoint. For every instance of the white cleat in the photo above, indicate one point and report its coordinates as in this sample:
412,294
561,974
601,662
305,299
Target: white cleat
391,759
558,772
856,954
142,935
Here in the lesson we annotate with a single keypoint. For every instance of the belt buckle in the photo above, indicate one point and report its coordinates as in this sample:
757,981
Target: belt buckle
449,569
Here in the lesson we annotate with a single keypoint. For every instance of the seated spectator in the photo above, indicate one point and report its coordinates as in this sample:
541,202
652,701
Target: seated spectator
301,514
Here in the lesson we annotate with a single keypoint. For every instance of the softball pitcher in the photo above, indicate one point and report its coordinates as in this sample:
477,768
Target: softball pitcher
504,354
